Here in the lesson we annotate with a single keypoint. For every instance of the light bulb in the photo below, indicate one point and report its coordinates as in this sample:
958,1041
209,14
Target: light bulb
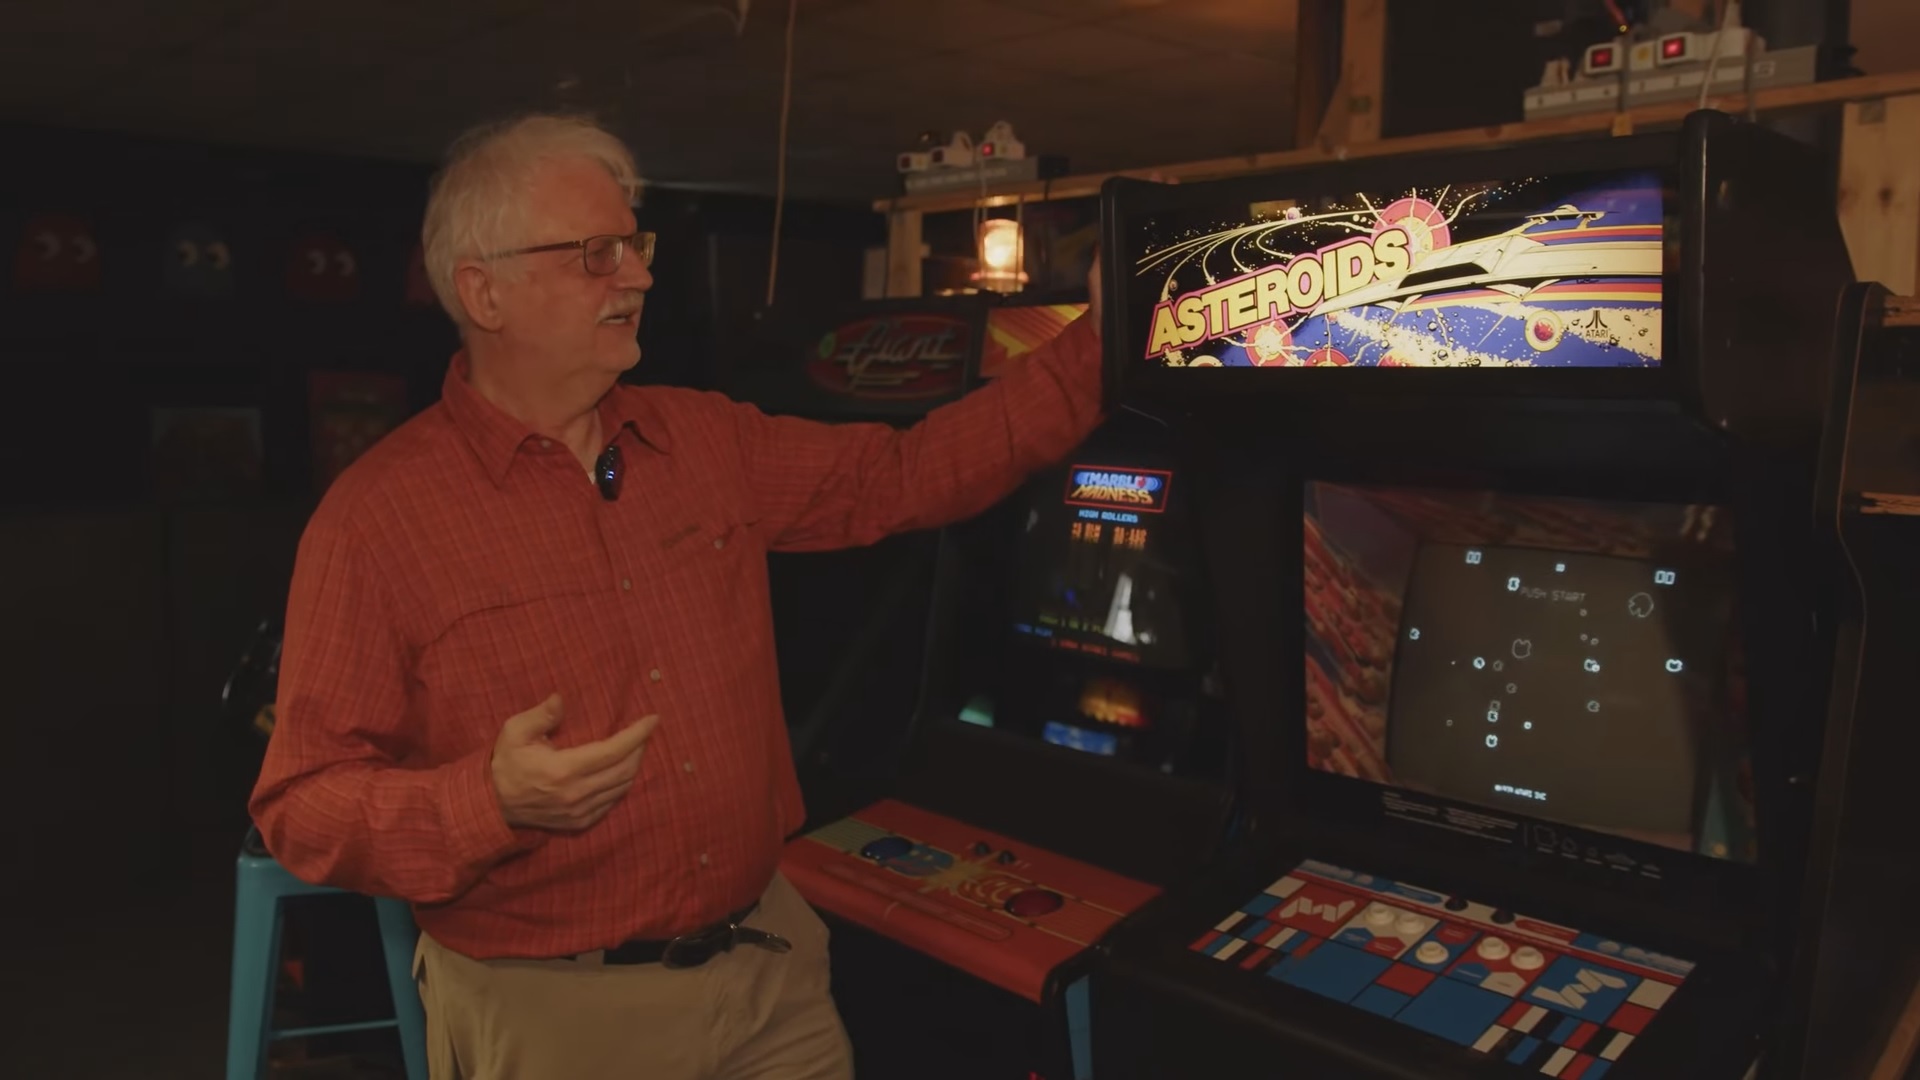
1000,246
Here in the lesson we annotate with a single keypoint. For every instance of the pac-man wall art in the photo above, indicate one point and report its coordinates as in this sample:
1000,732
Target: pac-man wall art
57,253
322,267
198,262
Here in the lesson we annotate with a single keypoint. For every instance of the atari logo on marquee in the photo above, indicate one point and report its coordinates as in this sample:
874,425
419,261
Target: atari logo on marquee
1108,488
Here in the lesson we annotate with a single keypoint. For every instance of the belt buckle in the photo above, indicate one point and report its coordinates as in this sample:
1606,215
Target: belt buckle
697,948
694,949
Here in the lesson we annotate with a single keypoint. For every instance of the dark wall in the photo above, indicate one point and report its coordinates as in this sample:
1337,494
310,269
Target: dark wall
131,345
710,274
128,604
1449,67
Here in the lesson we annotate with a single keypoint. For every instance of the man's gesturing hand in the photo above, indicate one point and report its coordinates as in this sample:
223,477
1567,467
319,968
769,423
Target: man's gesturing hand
566,790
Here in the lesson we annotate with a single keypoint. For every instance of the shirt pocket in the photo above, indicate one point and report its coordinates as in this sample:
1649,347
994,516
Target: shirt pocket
503,648
710,580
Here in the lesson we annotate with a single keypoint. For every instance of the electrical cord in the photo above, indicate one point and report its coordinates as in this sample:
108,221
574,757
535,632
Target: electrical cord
780,177
1713,56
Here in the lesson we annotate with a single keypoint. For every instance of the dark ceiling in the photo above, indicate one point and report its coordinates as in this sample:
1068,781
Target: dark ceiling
694,85
696,89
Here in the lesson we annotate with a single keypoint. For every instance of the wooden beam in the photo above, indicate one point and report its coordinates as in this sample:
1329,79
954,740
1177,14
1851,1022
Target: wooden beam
1778,99
906,248
1363,69
1880,190
1901,311
1316,41
1897,1058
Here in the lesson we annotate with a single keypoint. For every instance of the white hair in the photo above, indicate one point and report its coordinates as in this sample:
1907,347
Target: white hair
477,205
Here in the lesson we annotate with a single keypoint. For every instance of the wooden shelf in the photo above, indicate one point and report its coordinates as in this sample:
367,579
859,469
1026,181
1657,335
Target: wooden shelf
1779,99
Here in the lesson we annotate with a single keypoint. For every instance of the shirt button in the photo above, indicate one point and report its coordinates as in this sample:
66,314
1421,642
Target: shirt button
626,583
687,765
654,674
704,861
720,543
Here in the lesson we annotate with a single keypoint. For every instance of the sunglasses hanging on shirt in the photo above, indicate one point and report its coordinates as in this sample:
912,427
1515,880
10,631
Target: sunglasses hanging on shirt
606,473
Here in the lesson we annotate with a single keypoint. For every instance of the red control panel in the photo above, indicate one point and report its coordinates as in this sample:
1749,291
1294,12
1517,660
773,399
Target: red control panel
994,908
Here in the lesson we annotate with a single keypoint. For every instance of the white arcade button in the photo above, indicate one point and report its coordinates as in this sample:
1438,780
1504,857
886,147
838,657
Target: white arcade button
1431,952
1527,958
1380,916
1410,925
1493,948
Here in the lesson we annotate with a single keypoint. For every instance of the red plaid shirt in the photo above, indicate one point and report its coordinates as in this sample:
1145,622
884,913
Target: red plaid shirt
465,568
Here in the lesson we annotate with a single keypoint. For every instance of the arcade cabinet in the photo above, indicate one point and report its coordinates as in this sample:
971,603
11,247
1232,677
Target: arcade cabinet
1850,990
847,624
1066,762
1528,611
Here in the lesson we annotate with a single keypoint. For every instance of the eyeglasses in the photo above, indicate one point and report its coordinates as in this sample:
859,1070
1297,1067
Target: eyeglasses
601,255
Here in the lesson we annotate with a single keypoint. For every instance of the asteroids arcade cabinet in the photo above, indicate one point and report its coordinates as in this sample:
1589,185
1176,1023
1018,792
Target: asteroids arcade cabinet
1066,763
1528,626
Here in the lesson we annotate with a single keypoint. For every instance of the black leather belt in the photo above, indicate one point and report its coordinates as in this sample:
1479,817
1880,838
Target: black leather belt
690,950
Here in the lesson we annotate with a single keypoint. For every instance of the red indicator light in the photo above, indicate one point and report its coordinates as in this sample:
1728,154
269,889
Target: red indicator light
1603,58
1673,48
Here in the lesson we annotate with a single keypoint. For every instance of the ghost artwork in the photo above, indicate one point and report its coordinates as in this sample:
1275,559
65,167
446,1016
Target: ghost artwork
321,267
57,253
198,263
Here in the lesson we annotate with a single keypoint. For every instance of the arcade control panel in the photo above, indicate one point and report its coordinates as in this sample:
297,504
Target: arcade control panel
1546,998
1001,911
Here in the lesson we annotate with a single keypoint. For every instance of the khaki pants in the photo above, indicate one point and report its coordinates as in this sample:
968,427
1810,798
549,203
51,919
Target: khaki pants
746,1015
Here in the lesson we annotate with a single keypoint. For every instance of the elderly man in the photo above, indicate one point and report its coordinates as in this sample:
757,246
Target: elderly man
529,681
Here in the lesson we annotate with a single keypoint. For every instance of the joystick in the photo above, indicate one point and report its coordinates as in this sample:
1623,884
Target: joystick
1033,903
1493,948
1005,858
1454,903
1503,917
887,847
1528,958
981,847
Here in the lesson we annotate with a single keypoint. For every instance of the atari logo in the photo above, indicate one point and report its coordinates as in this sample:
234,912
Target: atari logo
1574,994
1332,913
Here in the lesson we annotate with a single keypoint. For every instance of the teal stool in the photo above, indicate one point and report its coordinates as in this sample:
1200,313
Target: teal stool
260,885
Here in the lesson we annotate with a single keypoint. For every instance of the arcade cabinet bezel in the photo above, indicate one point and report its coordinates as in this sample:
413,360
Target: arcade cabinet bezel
1707,426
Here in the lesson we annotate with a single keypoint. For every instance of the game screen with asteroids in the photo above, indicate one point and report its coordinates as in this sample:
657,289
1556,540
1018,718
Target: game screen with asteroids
1099,566
1570,660
1535,272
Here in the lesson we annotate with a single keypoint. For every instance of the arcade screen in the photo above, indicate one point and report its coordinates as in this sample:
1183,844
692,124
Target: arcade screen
1541,272
1572,660
1098,573
1090,590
